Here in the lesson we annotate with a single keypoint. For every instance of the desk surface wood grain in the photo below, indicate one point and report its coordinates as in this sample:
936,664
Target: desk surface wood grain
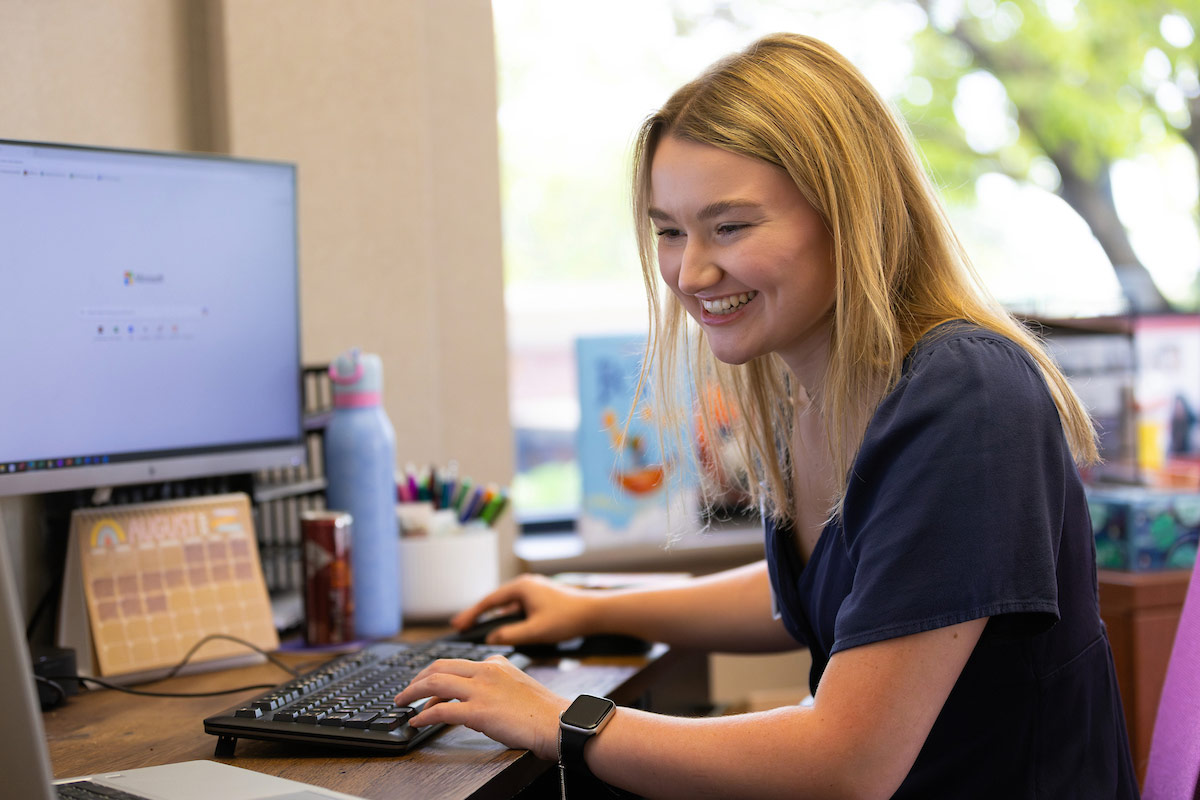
107,730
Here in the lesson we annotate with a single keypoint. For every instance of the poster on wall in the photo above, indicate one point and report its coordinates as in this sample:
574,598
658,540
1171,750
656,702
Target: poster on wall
1167,399
632,490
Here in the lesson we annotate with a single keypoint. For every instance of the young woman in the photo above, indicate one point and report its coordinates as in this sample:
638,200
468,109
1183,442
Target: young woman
913,449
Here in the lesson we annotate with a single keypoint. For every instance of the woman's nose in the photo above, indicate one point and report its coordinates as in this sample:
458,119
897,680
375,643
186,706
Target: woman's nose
697,270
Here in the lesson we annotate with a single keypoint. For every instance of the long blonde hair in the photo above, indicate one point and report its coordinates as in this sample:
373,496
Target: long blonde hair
795,102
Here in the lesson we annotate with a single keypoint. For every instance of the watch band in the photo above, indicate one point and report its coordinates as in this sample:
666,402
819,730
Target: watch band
585,718
570,750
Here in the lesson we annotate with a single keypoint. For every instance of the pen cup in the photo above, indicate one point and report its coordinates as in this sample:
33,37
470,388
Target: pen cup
414,519
443,574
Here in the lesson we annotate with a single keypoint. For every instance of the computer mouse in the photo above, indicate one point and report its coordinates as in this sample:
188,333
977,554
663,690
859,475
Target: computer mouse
596,644
478,633
603,644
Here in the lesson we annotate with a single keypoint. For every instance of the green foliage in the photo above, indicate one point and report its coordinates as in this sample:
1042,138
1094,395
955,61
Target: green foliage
1077,83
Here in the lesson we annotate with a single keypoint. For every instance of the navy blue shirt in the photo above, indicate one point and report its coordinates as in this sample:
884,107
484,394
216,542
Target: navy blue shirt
964,503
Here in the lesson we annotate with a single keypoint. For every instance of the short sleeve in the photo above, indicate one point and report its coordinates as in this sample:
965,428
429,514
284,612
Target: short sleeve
955,505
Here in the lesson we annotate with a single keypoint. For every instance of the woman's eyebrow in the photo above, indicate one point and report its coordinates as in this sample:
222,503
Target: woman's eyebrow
711,210
724,206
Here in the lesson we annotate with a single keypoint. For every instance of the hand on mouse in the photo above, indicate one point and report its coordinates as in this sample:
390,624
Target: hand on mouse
553,612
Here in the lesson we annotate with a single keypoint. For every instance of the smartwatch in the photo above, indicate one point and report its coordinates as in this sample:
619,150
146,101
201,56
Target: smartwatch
585,717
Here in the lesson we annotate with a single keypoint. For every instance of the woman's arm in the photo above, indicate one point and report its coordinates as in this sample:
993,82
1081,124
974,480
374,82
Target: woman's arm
728,611
871,715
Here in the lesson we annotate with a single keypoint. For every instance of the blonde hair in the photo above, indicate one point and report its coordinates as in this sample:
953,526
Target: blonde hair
795,102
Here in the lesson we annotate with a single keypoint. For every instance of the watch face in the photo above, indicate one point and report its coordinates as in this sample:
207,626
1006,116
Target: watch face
587,712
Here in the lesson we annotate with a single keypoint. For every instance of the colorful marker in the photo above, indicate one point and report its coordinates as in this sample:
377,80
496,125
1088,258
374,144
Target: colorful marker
493,509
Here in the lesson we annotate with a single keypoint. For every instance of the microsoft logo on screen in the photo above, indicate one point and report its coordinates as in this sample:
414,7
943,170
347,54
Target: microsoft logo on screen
131,278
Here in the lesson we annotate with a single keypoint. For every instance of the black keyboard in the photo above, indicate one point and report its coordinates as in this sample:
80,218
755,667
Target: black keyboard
347,702
86,790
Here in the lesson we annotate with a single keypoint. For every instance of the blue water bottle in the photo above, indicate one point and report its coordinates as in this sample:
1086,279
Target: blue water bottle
360,459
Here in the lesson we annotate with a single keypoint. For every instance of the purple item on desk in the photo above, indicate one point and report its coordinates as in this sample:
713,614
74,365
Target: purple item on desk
1174,767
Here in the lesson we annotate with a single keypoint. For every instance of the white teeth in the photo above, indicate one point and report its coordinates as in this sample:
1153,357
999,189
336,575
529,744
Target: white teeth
727,304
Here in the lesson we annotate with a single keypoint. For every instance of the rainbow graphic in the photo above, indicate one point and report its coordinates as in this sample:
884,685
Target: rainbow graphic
108,533
128,277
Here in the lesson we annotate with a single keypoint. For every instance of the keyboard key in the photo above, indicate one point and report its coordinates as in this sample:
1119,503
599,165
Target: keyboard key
386,722
88,790
362,719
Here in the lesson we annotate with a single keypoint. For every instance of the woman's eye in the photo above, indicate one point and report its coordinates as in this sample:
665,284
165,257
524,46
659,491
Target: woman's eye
668,233
731,228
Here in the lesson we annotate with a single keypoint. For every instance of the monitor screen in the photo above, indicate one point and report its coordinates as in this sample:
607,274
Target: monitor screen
151,308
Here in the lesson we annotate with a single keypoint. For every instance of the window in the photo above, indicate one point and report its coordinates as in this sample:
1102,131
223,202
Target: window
576,80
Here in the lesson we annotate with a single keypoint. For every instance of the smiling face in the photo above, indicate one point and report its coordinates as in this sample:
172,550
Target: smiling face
744,252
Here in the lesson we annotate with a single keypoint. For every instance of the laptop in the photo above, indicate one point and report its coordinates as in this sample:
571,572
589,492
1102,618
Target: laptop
25,759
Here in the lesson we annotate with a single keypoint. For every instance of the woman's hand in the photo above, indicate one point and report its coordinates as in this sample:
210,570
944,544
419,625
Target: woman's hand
494,697
553,612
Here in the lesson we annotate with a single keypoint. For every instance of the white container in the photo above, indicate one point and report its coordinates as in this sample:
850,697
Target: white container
443,574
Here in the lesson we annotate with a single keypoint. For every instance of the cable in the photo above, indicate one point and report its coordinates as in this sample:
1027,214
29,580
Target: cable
49,596
58,693
175,669
128,690
146,693
187,656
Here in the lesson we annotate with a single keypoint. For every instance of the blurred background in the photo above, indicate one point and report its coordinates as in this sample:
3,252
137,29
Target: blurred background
1062,134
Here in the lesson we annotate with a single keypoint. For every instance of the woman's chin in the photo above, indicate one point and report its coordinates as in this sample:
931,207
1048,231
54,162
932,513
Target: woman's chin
730,346
734,357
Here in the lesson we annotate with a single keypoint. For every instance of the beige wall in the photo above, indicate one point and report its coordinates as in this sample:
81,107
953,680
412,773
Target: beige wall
108,73
389,109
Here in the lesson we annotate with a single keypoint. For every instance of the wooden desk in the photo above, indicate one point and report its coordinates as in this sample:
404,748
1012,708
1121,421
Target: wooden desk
107,730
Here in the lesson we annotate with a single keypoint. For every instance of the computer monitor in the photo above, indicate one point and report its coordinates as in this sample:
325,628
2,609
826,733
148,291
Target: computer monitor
150,306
